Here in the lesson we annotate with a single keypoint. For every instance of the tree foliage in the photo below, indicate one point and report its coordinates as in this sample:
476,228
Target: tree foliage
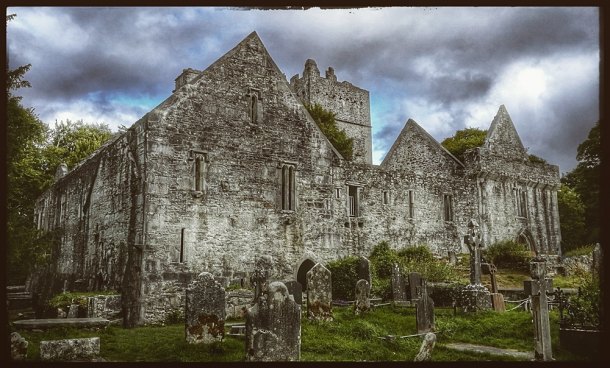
572,215
33,153
585,181
326,121
463,140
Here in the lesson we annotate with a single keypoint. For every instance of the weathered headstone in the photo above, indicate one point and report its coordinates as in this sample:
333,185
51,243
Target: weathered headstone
273,326
399,292
204,310
61,313
363,301
497,299
19,347
537,289
425,351
424,310
596,260
364,269
104,306
452,258
296,290
70,349
319,293
414,283
263,269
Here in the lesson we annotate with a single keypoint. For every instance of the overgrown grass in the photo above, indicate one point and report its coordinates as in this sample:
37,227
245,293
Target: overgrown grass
347,338
584,250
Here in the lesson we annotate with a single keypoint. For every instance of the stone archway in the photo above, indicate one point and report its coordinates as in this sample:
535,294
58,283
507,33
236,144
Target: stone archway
305,266
525,237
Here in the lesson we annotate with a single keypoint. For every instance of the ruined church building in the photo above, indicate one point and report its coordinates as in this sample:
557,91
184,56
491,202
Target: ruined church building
231,167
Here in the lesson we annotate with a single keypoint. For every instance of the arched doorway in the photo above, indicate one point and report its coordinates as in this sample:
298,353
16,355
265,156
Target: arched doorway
525,237
305,266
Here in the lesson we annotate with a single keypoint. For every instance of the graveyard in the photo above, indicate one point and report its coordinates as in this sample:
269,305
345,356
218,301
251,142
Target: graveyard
446,310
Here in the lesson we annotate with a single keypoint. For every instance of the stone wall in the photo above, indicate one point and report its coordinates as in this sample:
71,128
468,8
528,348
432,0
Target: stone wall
350,104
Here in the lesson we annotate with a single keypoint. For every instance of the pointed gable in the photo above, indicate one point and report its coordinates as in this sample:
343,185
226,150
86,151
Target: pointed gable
502,137
415,149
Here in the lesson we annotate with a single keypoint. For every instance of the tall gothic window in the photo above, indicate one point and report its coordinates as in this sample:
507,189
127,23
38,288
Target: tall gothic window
288,187
520,202
447,207
353,201
199,169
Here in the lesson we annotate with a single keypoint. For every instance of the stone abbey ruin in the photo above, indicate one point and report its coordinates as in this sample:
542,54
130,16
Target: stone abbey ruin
231,167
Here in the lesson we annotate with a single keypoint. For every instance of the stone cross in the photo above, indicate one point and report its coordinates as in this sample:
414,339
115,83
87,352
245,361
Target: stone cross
273,326
204,310
537,289
424,309
362,302
319,293
399,292
473,241
262,272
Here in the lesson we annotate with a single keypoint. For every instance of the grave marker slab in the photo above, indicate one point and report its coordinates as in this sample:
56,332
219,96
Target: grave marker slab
319,293
364,269
414,283
204,310
424,310
425,350
399,292
273,326
362,302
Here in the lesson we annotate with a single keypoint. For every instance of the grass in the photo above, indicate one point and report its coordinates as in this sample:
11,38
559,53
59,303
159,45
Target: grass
347,338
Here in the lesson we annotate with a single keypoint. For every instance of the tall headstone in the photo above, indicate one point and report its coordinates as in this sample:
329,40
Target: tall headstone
205,310
537,289
474,297
424,309
263,269
296,290
273,326
364,269
363,301
399,292
425,350
414,283
596,260
497,299
319,293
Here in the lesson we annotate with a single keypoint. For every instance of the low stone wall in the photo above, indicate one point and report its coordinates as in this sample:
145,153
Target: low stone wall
577,263
70,349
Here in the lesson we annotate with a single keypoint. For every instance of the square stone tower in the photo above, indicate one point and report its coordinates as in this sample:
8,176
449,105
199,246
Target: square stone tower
350,104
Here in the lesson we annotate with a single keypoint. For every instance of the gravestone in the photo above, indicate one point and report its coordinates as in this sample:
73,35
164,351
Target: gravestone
263,268
497,299
452,258
296,290
537,289
424,309
61,313
474,297
70,349
19,347
399,292
363,301
273,326
364,269
414,283
596,260
425,350
319,293
204,310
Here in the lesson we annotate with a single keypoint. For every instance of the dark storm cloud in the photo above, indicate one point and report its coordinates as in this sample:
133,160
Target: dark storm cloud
443,61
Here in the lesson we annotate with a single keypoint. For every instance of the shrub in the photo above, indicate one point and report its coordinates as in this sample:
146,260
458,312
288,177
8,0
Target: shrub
509,254
419,253
584,309
583,250
382,260
344,277
445,294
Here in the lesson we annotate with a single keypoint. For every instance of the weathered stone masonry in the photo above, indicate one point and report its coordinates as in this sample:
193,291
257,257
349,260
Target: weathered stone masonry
231,166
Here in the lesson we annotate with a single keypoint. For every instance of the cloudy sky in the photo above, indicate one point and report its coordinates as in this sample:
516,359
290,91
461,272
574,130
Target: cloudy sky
446,68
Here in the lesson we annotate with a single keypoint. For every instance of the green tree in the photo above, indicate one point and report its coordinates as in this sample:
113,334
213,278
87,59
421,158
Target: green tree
585,180
572,215
463,140
326,121
71,142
